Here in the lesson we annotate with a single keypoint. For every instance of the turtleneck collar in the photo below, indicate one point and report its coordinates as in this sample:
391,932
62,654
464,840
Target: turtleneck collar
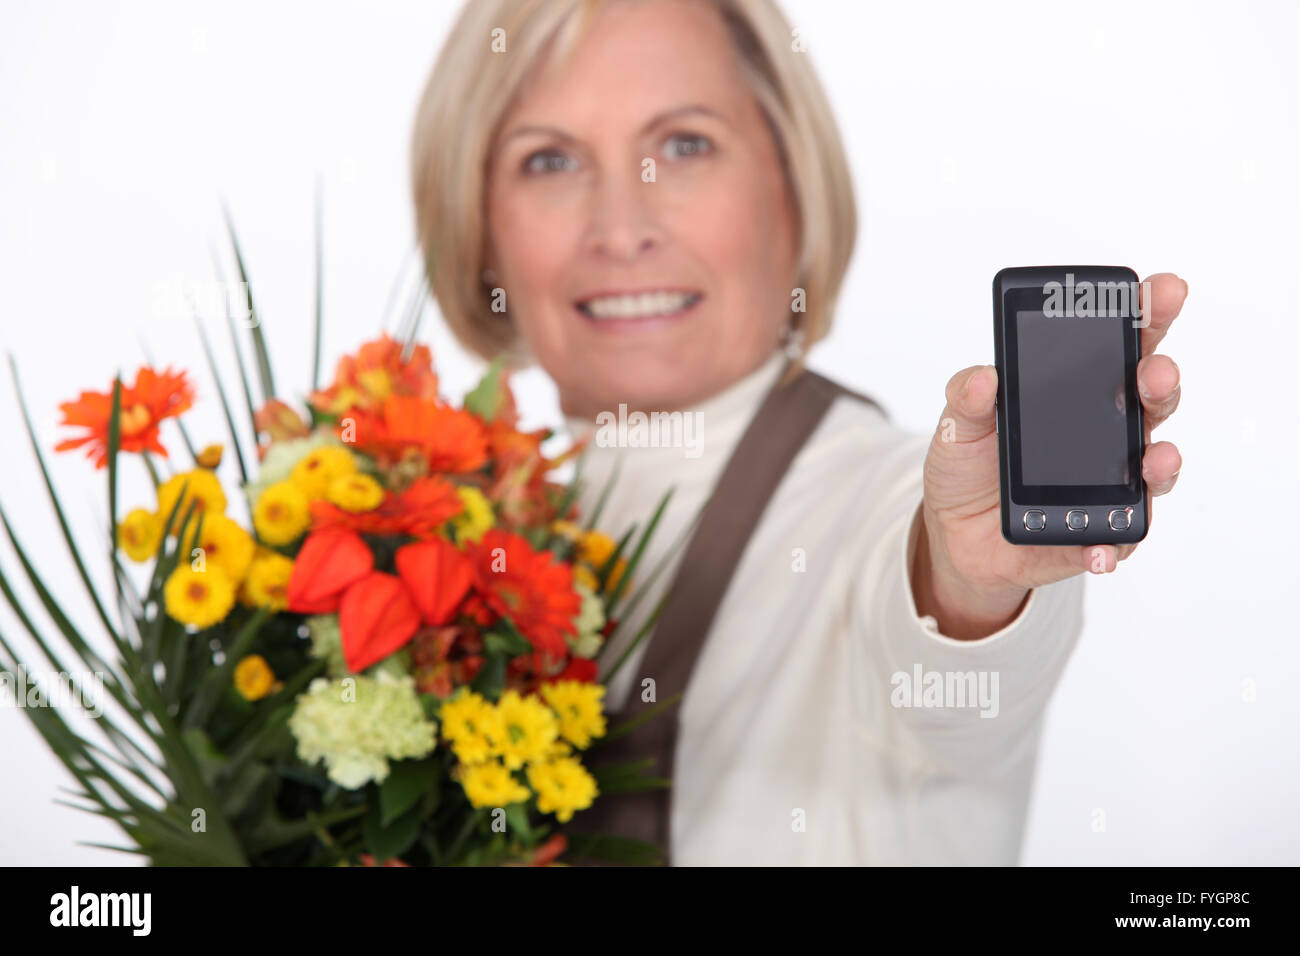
721,420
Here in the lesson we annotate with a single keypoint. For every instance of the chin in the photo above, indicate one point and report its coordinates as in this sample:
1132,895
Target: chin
648,385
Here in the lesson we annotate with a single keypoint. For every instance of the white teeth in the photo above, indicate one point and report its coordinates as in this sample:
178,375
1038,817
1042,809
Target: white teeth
637,306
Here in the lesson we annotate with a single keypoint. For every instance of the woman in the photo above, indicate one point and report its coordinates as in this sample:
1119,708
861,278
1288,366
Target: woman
649,199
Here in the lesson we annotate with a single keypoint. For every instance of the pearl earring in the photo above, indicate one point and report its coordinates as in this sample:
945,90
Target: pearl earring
793,343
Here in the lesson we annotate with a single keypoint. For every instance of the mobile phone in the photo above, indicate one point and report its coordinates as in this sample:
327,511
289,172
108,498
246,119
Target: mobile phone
1067,341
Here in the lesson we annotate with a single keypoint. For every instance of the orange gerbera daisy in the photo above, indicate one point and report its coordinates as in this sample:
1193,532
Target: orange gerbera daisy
426,505
529,587
363,382
446,438
153,398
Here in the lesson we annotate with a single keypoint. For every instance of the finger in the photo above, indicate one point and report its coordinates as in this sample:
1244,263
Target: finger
1160,467
1160,387
1166,292
1099,558
971,410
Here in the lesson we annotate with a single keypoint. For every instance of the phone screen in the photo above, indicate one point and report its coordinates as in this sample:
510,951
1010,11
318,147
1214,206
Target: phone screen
1073,422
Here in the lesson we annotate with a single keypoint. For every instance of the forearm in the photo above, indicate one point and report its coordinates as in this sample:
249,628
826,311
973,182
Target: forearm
963,612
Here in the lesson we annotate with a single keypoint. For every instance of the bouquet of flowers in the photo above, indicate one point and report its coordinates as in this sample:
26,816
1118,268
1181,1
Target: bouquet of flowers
392,661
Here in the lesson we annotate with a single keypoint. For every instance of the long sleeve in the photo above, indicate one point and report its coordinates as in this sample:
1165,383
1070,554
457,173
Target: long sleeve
1006,678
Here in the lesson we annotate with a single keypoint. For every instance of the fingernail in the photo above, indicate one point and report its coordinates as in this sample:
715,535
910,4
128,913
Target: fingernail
1184,287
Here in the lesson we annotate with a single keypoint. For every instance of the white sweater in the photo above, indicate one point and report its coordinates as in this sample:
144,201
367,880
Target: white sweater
790,751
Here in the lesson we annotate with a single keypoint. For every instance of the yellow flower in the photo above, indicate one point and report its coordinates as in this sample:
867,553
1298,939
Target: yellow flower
203,488
282,513
223,542
471,723
578,706
254,678
477,517
209,458
268,581
595,547
200,598
583,575
615,575
355,492
566,529
563,786
319,467
529,729
558,749
491,785
138,534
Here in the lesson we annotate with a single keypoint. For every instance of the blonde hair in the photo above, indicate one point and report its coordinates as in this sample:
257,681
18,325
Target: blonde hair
470,89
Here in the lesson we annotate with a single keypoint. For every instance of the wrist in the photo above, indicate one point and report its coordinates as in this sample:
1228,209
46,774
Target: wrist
965,610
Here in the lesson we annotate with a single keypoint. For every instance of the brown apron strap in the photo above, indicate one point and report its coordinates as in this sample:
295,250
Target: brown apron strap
780,427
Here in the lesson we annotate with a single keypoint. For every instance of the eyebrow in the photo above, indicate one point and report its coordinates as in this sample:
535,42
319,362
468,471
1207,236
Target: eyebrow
657,119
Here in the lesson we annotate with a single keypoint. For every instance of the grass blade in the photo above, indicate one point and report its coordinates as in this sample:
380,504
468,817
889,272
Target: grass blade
320,273
225,405
255,320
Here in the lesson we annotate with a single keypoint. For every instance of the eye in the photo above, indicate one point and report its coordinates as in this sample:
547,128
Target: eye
683,145
547,161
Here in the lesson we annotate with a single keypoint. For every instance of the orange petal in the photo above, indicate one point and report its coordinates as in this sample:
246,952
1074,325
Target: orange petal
437,575
376,618
327,563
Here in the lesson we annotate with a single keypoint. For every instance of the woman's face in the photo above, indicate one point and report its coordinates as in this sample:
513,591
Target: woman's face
639,219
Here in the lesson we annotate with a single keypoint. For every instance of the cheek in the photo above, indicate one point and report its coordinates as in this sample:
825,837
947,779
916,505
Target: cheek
741,232
534,242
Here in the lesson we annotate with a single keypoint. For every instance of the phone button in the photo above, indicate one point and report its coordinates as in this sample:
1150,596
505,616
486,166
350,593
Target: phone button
1076,520
1119,519
1035,521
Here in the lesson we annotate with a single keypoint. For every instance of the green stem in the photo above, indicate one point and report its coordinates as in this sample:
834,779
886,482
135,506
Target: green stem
153,471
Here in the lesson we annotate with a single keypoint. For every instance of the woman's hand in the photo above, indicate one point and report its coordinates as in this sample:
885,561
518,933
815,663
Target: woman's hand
964,573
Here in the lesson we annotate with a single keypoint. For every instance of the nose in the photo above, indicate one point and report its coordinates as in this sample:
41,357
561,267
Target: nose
623,221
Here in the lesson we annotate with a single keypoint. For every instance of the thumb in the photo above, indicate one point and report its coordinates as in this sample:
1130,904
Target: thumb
970,414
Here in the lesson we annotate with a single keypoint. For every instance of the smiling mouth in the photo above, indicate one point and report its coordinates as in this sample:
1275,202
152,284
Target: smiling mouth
636,306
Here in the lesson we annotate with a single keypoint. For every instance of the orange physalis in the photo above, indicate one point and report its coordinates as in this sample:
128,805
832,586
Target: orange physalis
327,564
376,618
437,575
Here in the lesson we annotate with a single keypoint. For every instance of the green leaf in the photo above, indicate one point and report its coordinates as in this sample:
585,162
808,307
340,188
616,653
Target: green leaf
259,342
645,629
506,639
487,397
58,510
218,679
211,761
632,723
635,560
225,405
273,831
604,494
387,841
407,781
594,846
517,820
646,586
574,486
491,678
320,272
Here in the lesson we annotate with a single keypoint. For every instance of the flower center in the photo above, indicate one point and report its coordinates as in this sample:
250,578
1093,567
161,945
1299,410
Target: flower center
131,421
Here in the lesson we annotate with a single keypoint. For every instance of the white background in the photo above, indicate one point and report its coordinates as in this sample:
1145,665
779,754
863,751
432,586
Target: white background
1157,135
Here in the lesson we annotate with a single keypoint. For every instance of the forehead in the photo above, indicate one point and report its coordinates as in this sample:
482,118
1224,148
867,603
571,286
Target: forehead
636,58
